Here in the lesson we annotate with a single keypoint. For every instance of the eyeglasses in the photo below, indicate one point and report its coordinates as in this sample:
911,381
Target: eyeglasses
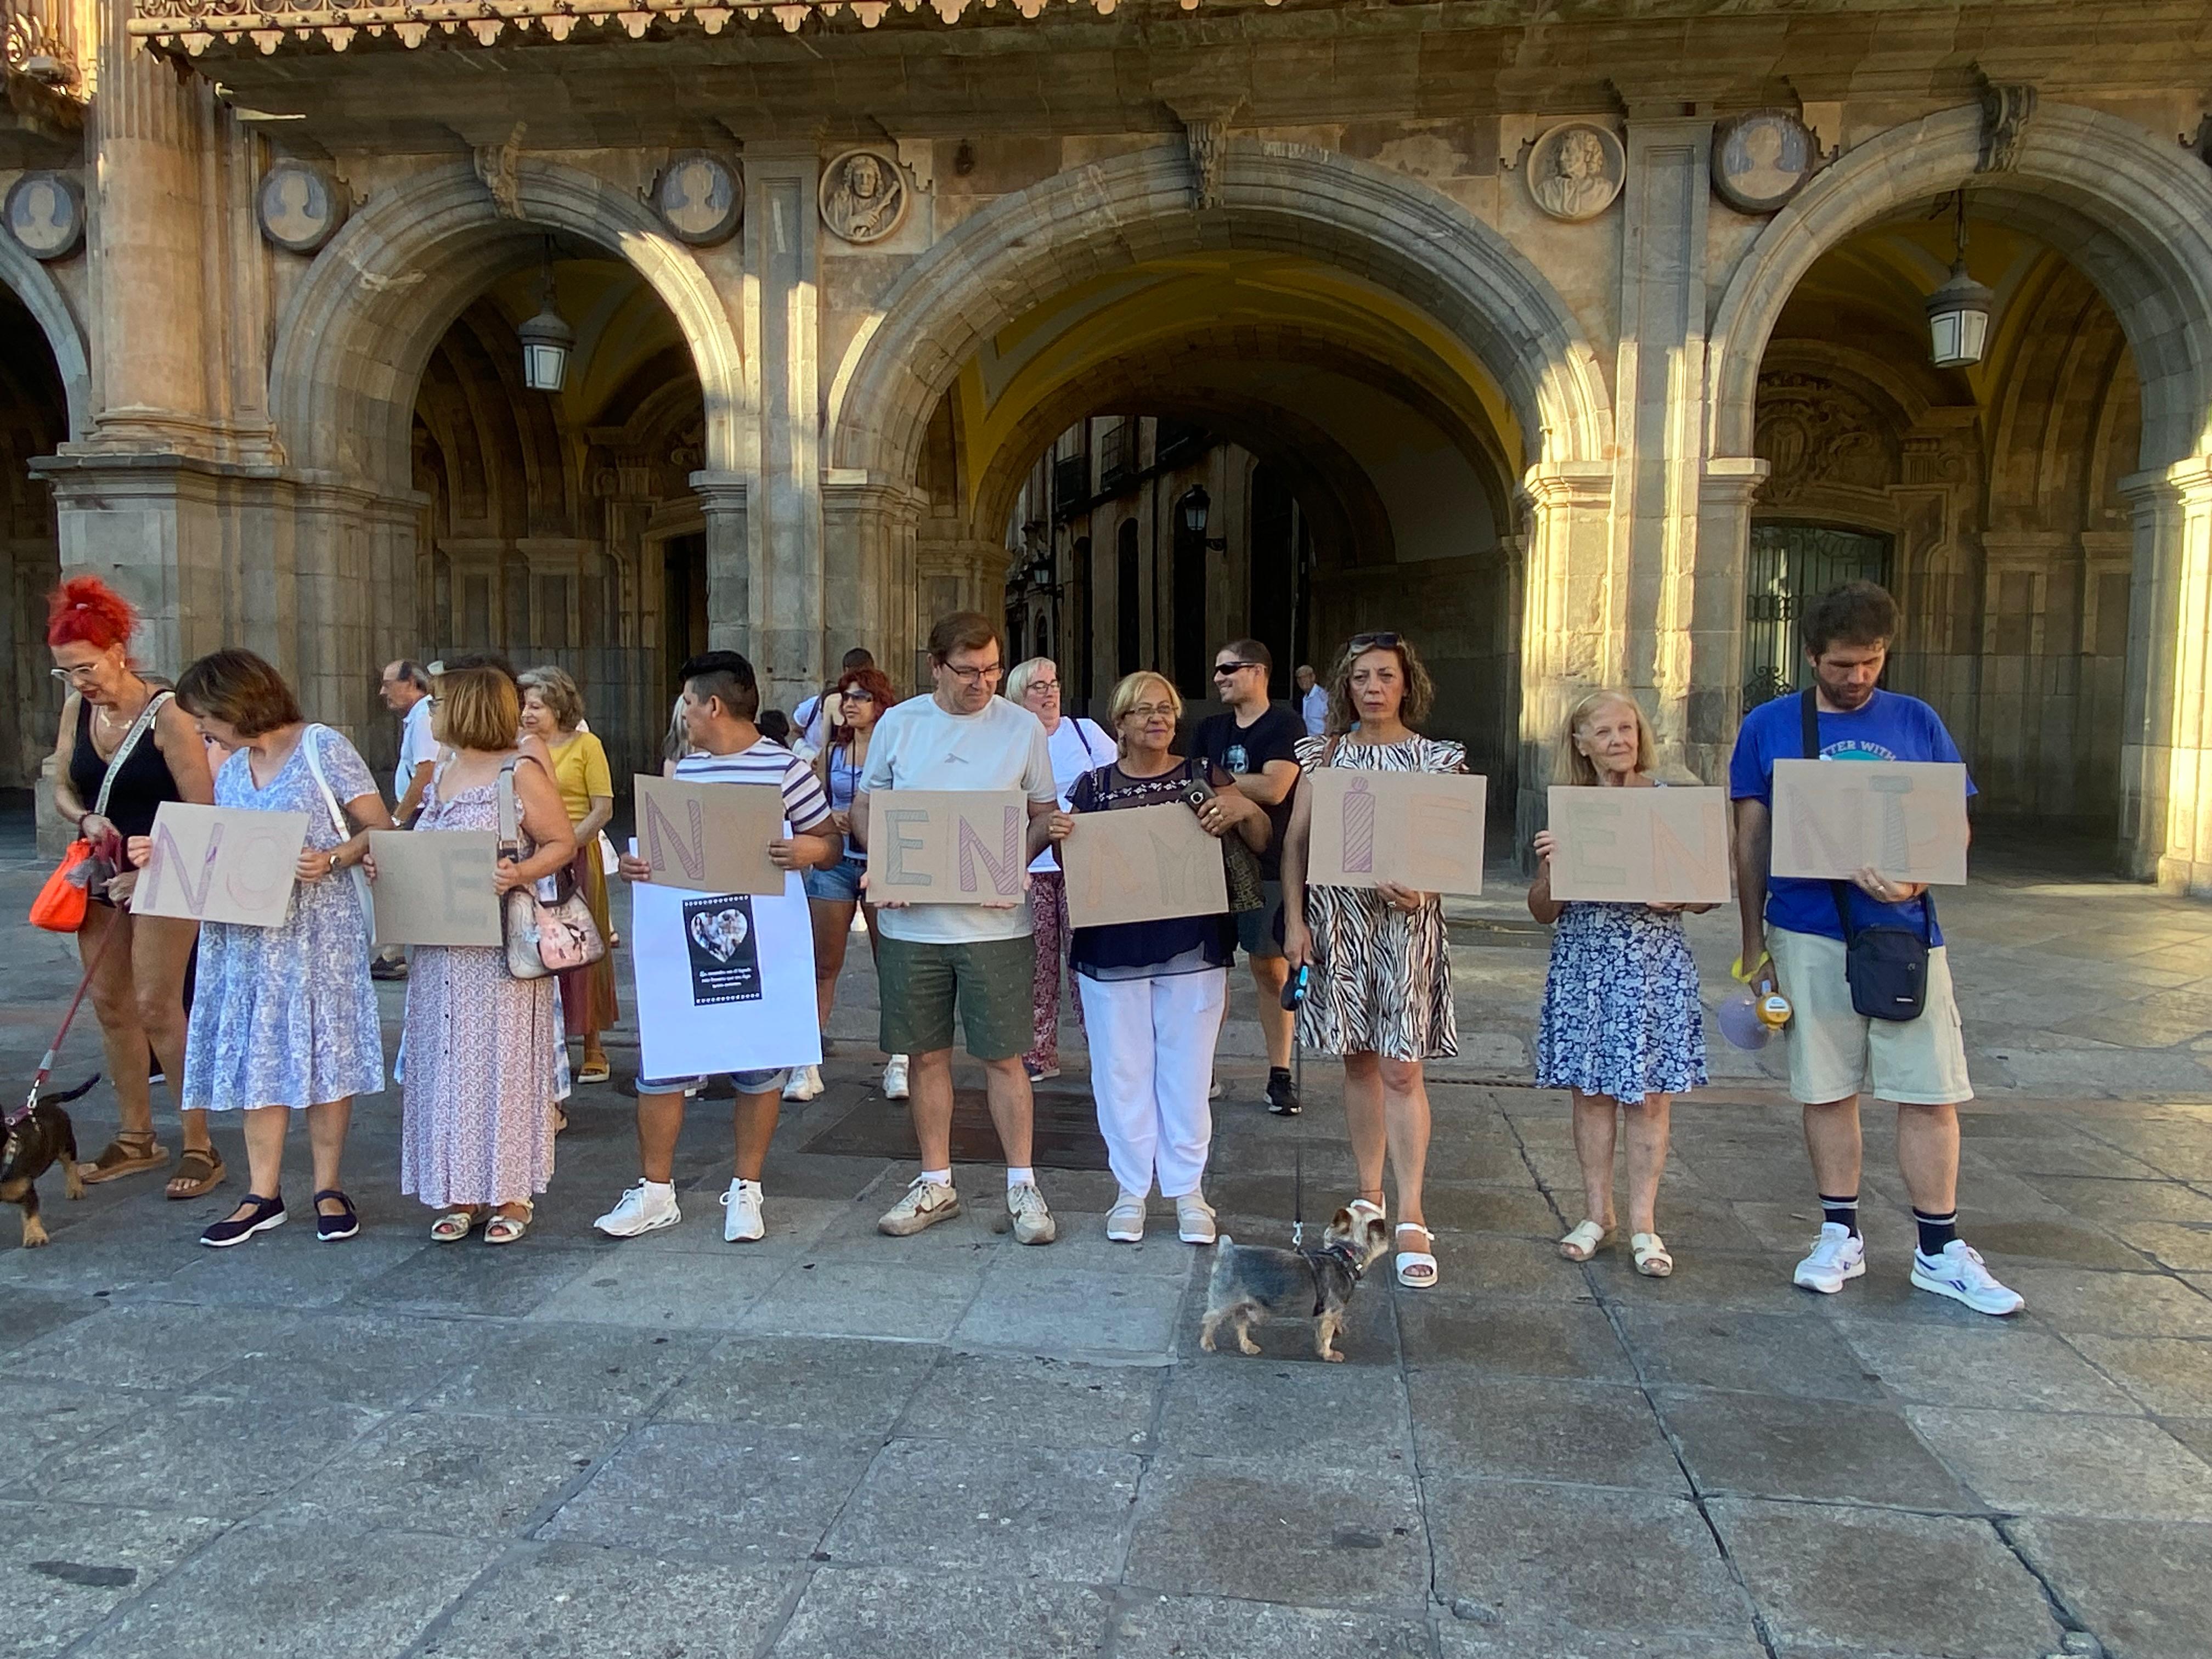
83,674
1222,668
973,675
1372,642
1052,686
1146,711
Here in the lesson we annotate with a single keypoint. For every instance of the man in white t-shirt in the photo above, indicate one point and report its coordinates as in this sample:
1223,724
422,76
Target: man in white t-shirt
933,959
720,697
1313,702
405,690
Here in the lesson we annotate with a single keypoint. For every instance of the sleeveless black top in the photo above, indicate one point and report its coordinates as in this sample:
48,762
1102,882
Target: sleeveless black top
140,788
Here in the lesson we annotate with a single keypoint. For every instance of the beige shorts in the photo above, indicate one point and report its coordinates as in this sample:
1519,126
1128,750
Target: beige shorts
1836,1051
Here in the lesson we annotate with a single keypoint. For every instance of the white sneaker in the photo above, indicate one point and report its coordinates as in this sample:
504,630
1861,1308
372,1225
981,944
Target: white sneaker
1125,1222
643,1208
1958,1273
895,1078
741,1213
1195,1219
1033,1222
926,1204
1839,1254
805,1082
1214,1089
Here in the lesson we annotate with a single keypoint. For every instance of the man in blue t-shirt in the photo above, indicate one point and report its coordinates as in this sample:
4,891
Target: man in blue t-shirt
1793,938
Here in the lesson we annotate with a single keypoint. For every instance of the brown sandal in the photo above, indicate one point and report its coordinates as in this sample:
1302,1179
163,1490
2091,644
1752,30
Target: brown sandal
199,1172
117,1159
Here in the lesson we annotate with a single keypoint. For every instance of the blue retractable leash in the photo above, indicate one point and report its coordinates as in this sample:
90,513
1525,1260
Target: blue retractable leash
1294,996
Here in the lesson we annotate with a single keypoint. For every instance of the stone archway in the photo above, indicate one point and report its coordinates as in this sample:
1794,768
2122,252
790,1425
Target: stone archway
2135,215
64,338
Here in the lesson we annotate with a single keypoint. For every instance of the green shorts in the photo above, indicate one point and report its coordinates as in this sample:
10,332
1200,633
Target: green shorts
989,981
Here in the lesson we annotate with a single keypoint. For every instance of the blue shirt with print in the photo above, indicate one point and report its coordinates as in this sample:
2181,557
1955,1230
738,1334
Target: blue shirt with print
1892,726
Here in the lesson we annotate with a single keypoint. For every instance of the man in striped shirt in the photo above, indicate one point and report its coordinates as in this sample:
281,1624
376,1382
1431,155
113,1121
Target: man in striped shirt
720,697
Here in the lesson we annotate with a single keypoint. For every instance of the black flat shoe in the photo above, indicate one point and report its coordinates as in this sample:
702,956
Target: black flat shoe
259,1215
331,1227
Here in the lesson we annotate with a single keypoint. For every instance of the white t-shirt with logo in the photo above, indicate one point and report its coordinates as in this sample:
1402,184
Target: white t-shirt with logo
918,746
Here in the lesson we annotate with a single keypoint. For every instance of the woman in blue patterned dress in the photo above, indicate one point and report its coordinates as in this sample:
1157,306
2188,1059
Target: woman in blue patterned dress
1622,1026
284,1019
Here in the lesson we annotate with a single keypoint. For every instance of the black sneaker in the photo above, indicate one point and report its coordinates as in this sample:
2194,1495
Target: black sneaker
260,1215
1282,1093
331,1227
382,968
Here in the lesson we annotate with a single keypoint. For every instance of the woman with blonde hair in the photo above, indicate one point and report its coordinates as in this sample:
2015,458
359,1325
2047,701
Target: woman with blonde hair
553,712
1381,993
1621,1028
1153,993
483,1050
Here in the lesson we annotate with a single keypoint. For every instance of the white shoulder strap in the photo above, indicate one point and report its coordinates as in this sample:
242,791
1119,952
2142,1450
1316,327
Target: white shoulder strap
139,727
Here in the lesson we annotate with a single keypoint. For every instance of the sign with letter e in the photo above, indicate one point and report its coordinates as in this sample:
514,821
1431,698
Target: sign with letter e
222,864
1903,819
947,846
1639,846
433,887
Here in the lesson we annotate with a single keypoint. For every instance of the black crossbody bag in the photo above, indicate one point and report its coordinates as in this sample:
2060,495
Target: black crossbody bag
1887,967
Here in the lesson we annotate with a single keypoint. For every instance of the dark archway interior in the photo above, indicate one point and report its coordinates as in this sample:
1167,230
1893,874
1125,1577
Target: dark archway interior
33,421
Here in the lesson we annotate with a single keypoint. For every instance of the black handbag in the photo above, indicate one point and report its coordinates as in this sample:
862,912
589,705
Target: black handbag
1886,967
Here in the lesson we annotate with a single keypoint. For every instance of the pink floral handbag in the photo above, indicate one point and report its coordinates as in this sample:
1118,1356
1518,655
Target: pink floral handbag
542,936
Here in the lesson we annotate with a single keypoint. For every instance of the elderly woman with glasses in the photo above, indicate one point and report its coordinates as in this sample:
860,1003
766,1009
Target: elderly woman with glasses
1076,746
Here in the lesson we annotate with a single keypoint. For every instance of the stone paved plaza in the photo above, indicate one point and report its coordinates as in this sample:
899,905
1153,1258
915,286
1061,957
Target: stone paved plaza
835,1444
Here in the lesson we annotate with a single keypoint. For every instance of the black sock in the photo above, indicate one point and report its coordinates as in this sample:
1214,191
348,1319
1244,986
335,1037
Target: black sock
1279,1074
1843,1211
1935,1231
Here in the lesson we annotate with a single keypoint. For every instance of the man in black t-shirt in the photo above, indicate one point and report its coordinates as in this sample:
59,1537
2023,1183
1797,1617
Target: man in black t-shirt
1254,746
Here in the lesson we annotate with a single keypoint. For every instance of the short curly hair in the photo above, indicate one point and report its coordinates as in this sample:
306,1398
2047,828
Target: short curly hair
556,689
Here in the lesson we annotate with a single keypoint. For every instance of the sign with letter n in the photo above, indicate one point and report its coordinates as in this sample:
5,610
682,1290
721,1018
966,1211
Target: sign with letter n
1639,846
709,837
947,846
1421,829
1903,819
222,864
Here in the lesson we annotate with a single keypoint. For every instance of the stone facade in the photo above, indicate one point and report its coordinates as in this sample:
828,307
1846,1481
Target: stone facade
1575,347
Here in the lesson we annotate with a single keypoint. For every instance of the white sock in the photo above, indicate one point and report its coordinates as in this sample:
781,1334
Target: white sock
942,1177
659,1189
1021,1177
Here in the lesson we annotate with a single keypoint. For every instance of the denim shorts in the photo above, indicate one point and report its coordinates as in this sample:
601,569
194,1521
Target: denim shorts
745,1083
840,884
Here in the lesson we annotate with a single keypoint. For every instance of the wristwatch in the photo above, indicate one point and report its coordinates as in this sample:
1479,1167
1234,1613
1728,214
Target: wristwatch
333,870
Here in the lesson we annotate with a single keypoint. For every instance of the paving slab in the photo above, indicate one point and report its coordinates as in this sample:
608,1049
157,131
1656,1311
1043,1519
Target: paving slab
850,1610
1274,1530
1773,1445
371,1600
2000,1365
204,1456
566,1370
666,1291
292,1268
1726,1348
1033,1400
457,1279
2184,1248
1525,1428
67,1566
2042,1463
2115,1304
738,1490
1510,1338
1024,1306
2138,1587
1834,1580
823,1385
30,1316
1185,1626
135,1347
1632,1563
578,1602
1334,1415
2170,1376
867,1298
997,1511
1751,1283
1527,1269
1458,1640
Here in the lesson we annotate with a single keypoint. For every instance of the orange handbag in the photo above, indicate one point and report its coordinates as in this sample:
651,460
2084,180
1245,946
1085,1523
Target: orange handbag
61,903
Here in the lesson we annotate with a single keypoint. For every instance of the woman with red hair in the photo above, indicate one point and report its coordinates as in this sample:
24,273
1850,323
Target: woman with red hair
123,747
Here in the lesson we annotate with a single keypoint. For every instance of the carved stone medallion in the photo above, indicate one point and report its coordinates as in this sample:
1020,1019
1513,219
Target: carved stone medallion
1575,171
300,208
45,213
700,198
863,195
1760,159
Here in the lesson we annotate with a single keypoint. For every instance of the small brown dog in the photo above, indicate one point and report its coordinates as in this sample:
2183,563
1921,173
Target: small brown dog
35,1141
1253,1282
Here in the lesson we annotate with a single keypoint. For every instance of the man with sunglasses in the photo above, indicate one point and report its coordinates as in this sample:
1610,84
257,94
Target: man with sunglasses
1254,747
933,959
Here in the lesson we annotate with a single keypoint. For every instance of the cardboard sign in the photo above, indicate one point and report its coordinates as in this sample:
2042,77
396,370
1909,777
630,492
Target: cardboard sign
1640,846
1142,864
434,887
1903,819
947,846
709,837
1421,829
724,982
222,864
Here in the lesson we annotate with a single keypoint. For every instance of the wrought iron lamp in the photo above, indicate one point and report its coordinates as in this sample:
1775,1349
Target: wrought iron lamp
1959,312
547,339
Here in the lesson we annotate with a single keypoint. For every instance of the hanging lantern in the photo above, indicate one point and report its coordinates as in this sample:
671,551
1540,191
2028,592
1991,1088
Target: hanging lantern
546,339
1959,312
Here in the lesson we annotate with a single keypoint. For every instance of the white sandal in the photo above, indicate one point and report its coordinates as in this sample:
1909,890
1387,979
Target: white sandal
1417,1269
1582,1240
1651,1258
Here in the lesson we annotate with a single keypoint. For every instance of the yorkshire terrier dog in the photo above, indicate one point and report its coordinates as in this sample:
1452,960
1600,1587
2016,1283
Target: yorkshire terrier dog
1253,1282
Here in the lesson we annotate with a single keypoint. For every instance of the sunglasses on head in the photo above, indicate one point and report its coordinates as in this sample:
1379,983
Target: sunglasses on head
1372,642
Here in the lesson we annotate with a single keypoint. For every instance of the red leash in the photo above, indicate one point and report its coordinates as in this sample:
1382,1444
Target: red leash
47,1065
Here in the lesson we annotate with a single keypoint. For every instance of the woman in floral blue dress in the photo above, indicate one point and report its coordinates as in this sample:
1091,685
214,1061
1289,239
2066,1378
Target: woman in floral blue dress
1622,1026
284,1019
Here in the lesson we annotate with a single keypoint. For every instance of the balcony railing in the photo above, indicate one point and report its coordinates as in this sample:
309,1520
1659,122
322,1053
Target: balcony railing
44,44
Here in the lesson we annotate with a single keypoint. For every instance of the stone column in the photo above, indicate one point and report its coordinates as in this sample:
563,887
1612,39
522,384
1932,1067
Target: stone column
868,572
724,498
782,341
1714,688
2166,768
1568,641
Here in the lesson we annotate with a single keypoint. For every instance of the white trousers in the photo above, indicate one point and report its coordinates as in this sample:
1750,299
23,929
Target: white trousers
1152,1064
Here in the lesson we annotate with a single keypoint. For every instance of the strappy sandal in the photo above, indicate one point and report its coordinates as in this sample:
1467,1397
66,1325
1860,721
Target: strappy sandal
1584,1241
199,1172
117,1159
1650,1253
509,1229
1417,1269
595,1069
454,1226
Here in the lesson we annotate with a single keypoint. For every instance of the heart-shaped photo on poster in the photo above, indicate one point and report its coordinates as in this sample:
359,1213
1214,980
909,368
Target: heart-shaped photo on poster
721,933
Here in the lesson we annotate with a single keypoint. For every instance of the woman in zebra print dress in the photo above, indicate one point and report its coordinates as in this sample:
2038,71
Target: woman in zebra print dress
1380,990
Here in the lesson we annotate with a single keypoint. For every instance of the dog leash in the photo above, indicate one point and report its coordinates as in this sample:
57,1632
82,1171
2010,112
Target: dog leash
53,1052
